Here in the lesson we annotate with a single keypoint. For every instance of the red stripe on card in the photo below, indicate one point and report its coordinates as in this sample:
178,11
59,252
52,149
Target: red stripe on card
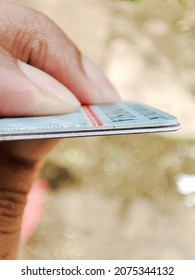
93,118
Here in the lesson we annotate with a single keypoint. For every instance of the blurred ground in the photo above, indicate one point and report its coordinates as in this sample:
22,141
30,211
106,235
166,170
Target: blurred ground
116,197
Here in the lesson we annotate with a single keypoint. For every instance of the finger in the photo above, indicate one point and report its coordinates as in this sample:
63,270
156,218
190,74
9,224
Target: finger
33,38
28,91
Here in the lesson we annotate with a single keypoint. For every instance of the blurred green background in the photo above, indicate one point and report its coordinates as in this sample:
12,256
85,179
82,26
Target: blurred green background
120,197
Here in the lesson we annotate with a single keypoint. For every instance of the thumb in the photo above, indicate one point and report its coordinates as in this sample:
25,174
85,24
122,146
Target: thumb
28,91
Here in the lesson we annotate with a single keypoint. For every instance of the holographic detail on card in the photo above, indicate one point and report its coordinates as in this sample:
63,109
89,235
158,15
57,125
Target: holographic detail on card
104,119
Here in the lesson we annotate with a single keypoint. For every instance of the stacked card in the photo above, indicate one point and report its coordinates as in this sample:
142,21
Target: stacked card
90,120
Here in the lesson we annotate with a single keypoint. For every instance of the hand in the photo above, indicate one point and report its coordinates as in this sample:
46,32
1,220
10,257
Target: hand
41,73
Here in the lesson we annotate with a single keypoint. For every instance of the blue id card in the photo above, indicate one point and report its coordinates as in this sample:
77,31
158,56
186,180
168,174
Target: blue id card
90,120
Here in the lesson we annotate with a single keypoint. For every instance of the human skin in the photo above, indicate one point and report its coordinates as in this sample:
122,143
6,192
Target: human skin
41,73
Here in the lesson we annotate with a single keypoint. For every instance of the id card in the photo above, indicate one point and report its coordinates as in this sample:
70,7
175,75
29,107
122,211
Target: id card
90,120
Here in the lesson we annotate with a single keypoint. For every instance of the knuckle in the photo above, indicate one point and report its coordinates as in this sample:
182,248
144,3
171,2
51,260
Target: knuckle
30,47
21,45
11,210
39,49
25,38
14,160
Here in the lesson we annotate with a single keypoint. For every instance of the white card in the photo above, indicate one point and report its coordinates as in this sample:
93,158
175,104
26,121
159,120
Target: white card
90,120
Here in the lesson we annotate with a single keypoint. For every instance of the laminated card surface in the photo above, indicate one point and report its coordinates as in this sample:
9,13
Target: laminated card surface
104,119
